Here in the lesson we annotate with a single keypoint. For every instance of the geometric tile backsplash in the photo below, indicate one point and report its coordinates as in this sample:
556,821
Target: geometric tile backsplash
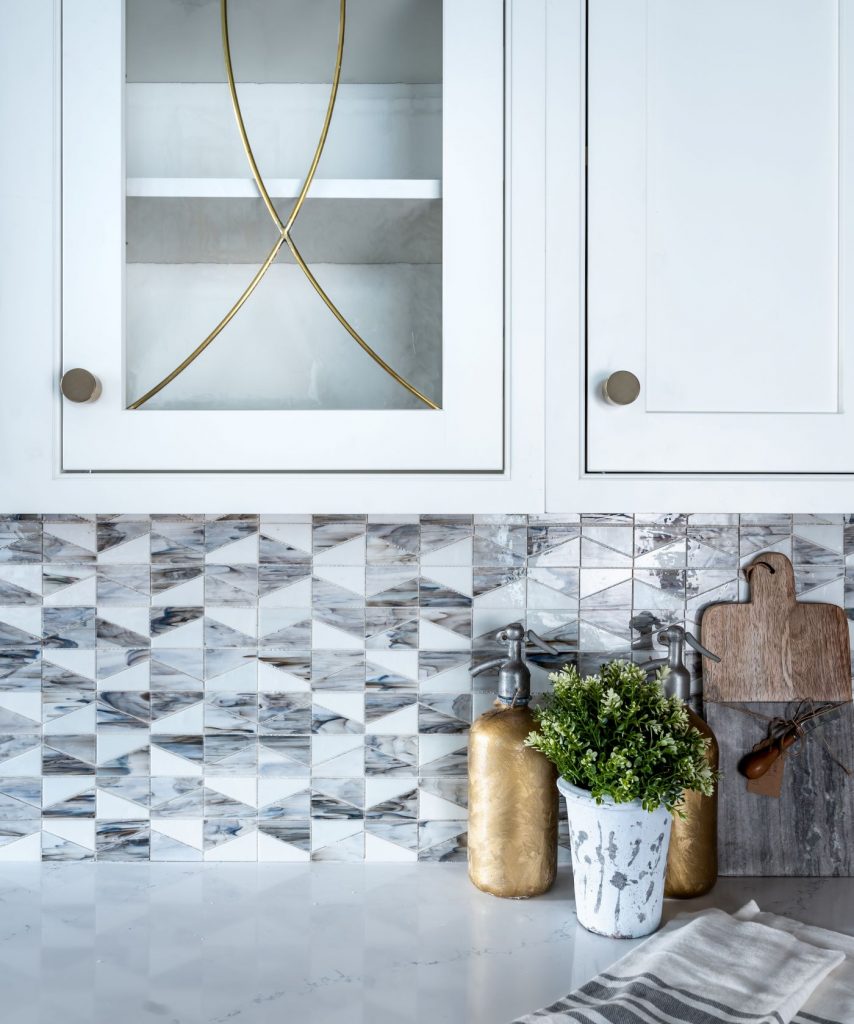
246,687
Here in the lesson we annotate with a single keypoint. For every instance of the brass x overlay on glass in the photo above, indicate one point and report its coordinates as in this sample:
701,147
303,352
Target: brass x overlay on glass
284,227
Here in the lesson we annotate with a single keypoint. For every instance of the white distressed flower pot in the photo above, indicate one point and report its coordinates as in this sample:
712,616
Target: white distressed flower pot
619,855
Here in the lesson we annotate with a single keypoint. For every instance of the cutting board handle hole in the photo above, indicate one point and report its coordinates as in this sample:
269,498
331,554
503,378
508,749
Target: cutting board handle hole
748,569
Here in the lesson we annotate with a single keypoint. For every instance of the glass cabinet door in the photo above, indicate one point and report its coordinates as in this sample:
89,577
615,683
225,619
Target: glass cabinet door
283,243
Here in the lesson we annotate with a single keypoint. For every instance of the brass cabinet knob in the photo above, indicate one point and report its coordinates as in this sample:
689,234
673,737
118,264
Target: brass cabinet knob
621,388
80,386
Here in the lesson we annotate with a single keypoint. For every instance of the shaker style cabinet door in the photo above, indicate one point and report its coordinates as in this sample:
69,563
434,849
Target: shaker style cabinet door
283,235
720,234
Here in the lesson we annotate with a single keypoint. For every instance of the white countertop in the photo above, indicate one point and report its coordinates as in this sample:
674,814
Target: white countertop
311,944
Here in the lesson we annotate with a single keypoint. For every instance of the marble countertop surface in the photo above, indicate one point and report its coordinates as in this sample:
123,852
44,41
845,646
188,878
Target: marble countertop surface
314,944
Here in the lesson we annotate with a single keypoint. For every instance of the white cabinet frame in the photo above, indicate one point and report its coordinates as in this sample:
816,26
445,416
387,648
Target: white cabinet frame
33,294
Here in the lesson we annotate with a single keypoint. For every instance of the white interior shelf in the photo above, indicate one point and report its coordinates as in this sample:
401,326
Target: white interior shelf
285,188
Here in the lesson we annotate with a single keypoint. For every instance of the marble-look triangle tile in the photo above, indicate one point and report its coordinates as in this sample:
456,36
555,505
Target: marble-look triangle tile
444,713
165,848
20,584
444,841
26,848
121,585
284,844
181,585
20,668
391,629
284,714
391,755
393,543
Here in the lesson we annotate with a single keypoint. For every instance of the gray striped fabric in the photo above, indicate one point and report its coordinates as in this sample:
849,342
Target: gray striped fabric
713,968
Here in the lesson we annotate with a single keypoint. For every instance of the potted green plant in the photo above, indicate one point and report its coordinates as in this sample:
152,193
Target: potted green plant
625,753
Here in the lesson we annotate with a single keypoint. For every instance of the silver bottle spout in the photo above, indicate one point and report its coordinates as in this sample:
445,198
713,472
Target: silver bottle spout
678,680
514,676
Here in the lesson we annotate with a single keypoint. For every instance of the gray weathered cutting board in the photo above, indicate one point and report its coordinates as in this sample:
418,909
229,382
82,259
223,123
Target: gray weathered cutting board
810,829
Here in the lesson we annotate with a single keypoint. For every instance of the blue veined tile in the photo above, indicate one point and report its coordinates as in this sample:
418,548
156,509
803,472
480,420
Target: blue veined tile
400,808
115,537
382,705
295,832
228,531
231,585
391,629
218,831
15,828
20,668
444,712
110,633
126,708
442,841
135,789
284,757
68,755
122,840
20,798
177,669
284,714
20,584
285,628
177,542
223,805
455,622
68,627
231,753
123,585
391,586
338,670
393,543
230,627
178,584
69,542
391,755
441,533
335,713
338,799
20,541
64,802
177,797
339,539
177,626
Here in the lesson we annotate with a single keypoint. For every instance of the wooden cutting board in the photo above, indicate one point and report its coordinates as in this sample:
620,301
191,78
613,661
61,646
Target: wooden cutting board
774,648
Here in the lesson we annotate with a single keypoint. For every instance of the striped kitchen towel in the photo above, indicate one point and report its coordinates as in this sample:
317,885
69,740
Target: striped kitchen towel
717,968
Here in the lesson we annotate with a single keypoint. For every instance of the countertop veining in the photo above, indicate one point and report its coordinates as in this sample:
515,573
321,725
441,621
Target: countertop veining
318,944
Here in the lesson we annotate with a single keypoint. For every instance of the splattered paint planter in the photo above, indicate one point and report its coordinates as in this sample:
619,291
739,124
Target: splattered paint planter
619,854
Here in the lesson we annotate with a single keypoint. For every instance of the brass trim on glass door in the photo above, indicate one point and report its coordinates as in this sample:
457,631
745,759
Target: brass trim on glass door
284,227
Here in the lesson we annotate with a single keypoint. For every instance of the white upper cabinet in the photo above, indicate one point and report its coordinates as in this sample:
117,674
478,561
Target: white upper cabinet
720,223
283,228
